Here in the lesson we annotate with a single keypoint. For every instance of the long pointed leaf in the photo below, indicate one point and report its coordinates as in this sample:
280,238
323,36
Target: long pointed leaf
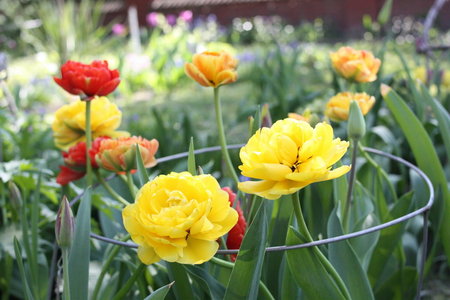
18,252
346,262
142,172
244,279
80,251
159,294
427,160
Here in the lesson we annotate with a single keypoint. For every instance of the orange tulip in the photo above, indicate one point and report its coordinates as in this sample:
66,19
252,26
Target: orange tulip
212,68
119,155
355,65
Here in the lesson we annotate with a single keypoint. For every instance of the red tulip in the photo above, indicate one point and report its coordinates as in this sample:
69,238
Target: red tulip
75,161
236,234
91,80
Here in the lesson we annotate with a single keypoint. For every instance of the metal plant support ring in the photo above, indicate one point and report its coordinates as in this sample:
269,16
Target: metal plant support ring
422,210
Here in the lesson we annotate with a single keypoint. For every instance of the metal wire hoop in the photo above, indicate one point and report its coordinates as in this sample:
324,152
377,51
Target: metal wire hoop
422,210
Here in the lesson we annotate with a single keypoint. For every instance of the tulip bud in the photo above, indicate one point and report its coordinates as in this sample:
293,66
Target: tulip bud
65,224
15,196
356,127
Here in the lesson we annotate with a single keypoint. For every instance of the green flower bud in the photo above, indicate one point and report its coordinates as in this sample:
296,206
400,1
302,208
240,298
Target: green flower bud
356,127
15,196
65,224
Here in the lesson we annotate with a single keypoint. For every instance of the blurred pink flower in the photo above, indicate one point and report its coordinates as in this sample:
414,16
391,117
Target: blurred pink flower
186,16
152,19
119,29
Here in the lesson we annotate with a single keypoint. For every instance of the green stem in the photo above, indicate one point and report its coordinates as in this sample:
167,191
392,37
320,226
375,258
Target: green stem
264,291
351,184
105,267
222,263
88,143
130,183
262,287
110,190
325,262
65,257
223,142
130,282
383,173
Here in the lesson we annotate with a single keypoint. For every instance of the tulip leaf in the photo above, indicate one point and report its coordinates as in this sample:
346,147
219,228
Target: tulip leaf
208,283
246,273
346,262
23,277
442,117
142,172
279,224
182,286
400,285
288,287
191,158
80,251
427,160
389,238
160,294
308,270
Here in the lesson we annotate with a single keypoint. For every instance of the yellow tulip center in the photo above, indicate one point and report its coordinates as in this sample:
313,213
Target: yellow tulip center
176,198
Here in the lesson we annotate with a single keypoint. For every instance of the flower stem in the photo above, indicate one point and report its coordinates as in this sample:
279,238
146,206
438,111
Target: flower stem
88,144
110,190
131,184
112,255
229,265
65,257
351,184
325,262
223,142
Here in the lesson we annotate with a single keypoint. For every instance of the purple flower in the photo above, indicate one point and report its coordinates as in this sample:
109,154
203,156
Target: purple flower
119,29
171,20
186,16
152,19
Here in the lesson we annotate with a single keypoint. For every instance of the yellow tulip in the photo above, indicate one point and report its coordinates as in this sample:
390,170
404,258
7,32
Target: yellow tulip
289,156
355,65
178,218
212,68
337,108
70,122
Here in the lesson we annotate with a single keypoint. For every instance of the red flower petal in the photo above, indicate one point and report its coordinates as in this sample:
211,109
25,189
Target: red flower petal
68,175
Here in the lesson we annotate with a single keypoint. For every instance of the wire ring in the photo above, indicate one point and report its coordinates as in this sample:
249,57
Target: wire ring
408,216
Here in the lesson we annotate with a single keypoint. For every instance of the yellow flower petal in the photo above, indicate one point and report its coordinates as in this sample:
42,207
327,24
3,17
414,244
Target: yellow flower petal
147,255
198,251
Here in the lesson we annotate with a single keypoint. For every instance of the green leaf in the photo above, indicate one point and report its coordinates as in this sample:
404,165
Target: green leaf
209,284
442,117
246,273
385,12
160,294
308,270
142,172
401,285
427,160
80,251
278,229
288,287
346,262
18,252
389,239
182,286
191,158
